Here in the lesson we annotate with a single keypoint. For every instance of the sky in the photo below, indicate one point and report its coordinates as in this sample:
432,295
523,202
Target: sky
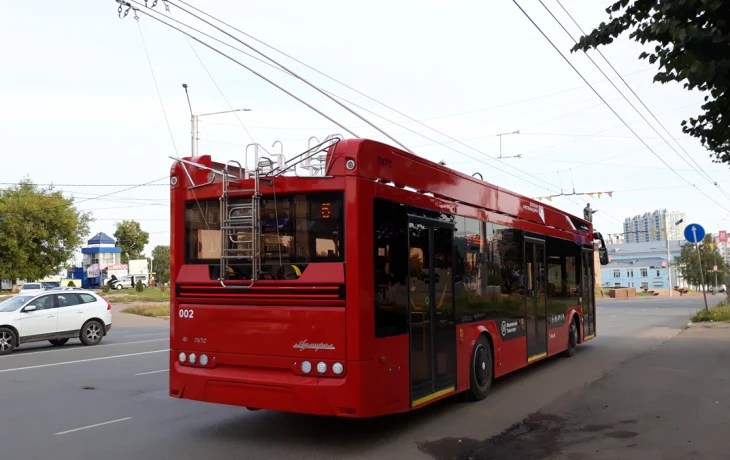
80,107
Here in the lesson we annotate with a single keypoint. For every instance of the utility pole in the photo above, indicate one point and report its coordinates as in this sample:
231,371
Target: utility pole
702,275
669,263
194,133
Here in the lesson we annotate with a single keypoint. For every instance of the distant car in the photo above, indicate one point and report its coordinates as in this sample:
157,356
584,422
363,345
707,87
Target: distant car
56,316
32,288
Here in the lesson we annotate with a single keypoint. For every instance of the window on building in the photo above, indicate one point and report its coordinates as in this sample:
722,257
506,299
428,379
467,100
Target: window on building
657,273
644,273
645,285
630,273
617,284
617,273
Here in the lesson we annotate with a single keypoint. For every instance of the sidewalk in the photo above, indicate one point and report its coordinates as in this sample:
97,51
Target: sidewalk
666,404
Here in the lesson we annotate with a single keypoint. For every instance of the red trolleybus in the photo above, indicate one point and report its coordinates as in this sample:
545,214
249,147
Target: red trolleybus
359,280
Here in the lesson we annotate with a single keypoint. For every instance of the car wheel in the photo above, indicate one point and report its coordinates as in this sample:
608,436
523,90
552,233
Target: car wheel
572,338
92,332
119,287
58,342
7,341
482,370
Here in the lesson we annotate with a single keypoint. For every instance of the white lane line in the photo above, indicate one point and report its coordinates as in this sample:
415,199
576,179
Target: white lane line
152,372
143,335
83,360
93,426
28,352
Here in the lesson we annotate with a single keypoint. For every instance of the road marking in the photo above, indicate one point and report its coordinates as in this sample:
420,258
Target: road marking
83,360
142,335
29,352
93,426
152,372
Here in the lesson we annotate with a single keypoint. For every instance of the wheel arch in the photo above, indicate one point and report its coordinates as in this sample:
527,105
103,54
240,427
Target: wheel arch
98,320
15,331
484,331
576,317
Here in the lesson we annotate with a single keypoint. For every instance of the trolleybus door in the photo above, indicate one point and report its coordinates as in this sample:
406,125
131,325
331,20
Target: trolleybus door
432,328
589,306
536,300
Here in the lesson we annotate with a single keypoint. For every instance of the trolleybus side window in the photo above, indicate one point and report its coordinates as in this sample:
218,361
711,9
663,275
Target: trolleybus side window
490,280
390,256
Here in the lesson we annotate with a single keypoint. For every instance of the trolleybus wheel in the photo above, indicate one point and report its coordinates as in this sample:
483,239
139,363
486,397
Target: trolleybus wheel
572,338
481,369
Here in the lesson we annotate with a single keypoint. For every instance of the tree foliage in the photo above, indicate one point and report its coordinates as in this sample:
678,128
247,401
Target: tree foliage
132,239
692,46
161,263
40,230
689,267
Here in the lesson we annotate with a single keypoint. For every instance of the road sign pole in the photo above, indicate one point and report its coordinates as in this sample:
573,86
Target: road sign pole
702,275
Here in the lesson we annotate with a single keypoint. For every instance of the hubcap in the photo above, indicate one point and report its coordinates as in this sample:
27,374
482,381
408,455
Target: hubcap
6,341
481,365
93,332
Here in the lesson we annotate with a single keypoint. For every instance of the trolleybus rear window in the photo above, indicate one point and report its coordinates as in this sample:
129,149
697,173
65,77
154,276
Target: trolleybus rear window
295,229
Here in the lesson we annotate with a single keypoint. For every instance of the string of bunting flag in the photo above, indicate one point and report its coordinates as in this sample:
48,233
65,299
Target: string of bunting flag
590,194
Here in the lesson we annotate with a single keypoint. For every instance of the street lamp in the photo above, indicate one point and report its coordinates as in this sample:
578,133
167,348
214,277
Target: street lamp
194,121
669,257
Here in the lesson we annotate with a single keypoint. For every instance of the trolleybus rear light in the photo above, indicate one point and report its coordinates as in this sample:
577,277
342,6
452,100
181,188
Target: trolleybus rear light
192,358
322,367
338,368
182,357
306,367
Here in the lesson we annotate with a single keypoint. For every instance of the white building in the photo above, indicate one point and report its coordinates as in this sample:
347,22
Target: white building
655,226
722,245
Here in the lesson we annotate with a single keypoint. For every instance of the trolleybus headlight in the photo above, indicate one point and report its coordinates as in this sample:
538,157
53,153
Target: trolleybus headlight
203,360
321,367
182,357
173,180
306,367
350,164
338,368
192,358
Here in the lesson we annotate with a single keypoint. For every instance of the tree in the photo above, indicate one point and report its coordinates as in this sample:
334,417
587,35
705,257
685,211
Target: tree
131,238
40,230
161,263
692,46
689,268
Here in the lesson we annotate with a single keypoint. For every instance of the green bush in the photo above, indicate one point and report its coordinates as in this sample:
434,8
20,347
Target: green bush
71,284
139,287
105,288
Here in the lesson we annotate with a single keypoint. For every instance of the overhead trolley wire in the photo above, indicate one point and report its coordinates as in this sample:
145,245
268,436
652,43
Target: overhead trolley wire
611,108
698,169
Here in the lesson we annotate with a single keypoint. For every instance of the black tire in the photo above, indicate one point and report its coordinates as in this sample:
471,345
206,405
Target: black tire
92,332
482,370
58,342
572,338
7,341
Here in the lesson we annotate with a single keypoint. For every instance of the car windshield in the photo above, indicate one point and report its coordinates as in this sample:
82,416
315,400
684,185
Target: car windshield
30,286
14,303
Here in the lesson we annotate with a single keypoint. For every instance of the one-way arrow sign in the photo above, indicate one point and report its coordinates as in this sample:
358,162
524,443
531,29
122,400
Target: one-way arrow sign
694,233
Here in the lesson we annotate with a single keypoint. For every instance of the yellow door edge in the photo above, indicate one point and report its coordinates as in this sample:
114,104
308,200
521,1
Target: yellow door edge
432,396
536,357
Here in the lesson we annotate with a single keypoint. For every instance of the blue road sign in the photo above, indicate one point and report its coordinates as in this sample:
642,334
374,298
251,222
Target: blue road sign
694,233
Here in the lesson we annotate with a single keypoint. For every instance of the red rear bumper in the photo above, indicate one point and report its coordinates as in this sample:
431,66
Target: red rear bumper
268,383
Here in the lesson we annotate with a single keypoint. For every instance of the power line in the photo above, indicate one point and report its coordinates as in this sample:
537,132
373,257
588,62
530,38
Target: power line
87,185
643,104
157,88
700,171
611,108
214,83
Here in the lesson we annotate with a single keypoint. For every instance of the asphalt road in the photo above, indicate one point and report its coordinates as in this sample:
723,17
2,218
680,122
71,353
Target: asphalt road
112,400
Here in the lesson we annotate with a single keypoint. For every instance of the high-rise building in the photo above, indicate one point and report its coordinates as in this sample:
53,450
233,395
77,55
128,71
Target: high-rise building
722,245
655,226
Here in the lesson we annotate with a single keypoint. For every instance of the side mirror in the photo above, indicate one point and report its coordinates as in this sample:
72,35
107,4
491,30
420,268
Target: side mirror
603,256
30,308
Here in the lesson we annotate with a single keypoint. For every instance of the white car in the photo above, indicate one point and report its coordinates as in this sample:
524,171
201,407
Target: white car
56,316
31,288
